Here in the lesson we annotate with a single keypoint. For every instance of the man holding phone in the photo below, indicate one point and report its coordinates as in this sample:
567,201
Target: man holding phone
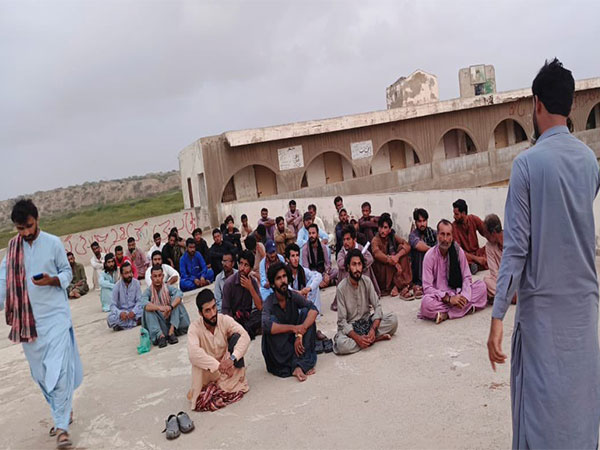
36,273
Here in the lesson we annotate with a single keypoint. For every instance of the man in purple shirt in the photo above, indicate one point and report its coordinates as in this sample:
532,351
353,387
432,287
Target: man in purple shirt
268,222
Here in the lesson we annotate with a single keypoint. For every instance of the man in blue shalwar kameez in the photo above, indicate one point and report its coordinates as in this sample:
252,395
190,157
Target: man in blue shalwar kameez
38,312
549,258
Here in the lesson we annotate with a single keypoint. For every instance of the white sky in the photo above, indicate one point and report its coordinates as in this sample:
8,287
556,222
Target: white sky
108,89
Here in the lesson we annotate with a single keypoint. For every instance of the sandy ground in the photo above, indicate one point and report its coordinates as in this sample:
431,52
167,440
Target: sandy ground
431,386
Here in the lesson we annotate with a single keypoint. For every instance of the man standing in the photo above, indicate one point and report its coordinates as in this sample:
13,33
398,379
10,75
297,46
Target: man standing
271,258
170,275
289,330
126,308
158,245
138,258
216,348
78,285
450,292
465,228
392,262
283,236
368,224
267,222
228,270
97,263
194,273
549,258
164,316
421,239
218,249
293,218
34,277
108,280
120,259
358,328
241,297
315,256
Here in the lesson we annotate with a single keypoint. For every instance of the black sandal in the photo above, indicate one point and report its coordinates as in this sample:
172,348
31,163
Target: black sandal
52,431
64,443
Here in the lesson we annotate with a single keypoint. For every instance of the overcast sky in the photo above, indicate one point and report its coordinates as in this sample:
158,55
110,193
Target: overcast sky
99,90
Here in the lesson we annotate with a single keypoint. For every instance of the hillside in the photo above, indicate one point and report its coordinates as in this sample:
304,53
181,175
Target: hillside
69,200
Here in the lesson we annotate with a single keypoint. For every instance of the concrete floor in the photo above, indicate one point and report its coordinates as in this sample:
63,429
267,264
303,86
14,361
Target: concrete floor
429,387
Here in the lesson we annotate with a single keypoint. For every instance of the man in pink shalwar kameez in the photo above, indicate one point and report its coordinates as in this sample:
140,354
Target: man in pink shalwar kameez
449,290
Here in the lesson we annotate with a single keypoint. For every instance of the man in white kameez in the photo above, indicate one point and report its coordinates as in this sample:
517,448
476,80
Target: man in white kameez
549,258
97,263
33,280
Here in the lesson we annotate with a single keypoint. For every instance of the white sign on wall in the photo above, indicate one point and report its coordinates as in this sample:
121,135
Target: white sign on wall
363,149
290,157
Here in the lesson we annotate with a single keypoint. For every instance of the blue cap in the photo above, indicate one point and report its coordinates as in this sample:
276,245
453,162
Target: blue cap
270,246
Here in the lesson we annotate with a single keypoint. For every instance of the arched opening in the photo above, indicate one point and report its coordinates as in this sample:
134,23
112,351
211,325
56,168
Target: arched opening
327,168
507,133
455,143
394,155
593,120
249,183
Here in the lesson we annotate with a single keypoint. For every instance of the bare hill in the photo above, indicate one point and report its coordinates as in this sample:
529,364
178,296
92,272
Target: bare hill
73,198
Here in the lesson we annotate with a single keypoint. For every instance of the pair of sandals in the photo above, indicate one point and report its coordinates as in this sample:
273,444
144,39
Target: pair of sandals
408,294
177,424
62,443
324,346
171,339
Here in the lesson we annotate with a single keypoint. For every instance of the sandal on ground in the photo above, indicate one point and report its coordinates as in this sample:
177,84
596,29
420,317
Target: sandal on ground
172,339
172,427
162,342
63,443
328,346
440,318
418,293
52,431
186,425
407,295
319,347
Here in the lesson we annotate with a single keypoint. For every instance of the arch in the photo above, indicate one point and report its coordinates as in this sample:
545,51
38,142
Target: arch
593,118
250,182
455,142
330,166
394,154
507,132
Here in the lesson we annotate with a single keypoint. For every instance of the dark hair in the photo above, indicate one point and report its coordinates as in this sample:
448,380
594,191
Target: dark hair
174,230
227,253
154,253
385,218
248,256
244,216
493,224
22,210
172,235
292,202
342,210
94,244
70,254
365,204
554,86
312,206
315,226
293,247
307,216
349,229
420,212
108,257
250,242
130,239
279,219
443,222
204,296
228,219
264,209
216,231
261,229
461,205
190,241
274,270
118,248
196,231
155,268
155,235
352,253
126,264
338,199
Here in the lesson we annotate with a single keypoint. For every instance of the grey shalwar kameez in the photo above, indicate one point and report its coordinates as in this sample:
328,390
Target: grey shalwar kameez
549,257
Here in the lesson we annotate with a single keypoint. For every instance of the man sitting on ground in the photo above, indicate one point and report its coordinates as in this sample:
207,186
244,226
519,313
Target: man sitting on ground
421,239
493,252
343,223
289,330
349,242
392,261
97,263
216,348
246,229
302,237
137,257
201,245
241,296
304,281
271,258
259,252
171,276
368,224
361,238
260,234
315,255
450,292
171,252
267,222
78,285
312,209
228,270
126,308
465,228
108,280
283,236
218,249
165,316
194,273
358,328
158,245
293,218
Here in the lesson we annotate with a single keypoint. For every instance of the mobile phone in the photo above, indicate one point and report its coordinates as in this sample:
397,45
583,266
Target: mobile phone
39,276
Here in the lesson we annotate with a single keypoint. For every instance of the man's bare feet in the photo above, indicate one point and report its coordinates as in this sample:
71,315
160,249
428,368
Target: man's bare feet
383,337
394,292
441,316
311,371
298,373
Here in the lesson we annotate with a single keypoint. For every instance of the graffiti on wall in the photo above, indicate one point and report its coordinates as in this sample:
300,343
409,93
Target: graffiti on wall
142,231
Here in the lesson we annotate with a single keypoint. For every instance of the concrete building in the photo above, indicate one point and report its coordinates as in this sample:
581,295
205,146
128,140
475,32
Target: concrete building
458,143
477,80
418,88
